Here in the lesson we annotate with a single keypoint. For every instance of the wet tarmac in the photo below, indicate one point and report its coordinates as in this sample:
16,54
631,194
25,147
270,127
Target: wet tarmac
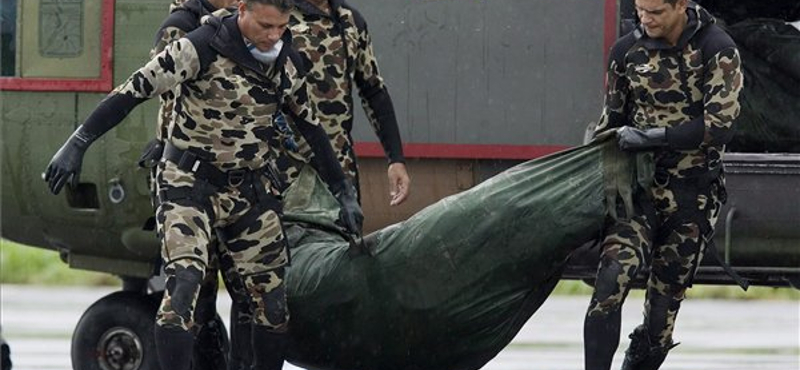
714,334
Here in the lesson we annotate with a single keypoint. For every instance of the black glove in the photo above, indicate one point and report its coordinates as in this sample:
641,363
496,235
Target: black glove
350,214
66,164
634,139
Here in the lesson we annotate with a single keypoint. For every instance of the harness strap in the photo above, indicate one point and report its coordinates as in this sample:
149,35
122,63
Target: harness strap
686,201
197,196
711,247
191,162
247,181
261,200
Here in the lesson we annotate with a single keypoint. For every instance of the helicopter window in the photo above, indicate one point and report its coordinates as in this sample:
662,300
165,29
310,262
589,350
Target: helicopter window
57,45
8,33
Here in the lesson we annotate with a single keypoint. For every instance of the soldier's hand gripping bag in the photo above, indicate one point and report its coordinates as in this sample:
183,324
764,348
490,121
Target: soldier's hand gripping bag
448,288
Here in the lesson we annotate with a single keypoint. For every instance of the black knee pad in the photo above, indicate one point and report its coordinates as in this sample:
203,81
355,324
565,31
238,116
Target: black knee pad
657,317
183,287
606,283
277,313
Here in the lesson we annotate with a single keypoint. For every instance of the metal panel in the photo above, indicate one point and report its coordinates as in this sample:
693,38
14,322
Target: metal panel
489,72
60,38
33,126
431,180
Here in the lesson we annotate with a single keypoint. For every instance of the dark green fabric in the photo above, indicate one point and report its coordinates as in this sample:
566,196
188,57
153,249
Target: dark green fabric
770,99
450,287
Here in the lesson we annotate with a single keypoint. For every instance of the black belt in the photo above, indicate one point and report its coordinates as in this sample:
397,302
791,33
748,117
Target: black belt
191,162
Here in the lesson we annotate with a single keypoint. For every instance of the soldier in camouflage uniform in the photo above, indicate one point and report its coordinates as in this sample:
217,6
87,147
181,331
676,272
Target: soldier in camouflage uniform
234,74
333,39
672,88
185,16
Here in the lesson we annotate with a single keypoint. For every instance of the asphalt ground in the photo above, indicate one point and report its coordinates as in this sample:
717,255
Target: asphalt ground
714,334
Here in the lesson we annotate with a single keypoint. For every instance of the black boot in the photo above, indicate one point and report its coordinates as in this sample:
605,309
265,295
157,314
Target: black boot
600,340
642,354
241,355
210,348
269,349
174,348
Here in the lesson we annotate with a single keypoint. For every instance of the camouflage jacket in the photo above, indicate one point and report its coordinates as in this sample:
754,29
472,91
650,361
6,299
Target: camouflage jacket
338,55
185,16
692,89
225,110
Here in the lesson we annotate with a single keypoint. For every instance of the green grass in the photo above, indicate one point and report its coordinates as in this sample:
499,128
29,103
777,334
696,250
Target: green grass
573,287
20,264
734,292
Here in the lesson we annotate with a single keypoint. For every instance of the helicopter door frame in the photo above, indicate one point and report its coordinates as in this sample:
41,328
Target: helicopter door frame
103,83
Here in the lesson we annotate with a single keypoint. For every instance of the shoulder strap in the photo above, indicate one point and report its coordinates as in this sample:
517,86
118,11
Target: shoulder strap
200,39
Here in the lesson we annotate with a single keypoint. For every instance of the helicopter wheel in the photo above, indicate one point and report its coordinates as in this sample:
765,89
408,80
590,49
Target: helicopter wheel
116,333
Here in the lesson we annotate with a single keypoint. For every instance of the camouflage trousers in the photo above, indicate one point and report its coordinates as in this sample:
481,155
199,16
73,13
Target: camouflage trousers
187,226
673,247
219,261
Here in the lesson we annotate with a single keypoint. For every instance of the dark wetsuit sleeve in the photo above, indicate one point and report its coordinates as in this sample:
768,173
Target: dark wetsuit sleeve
614,107
376,100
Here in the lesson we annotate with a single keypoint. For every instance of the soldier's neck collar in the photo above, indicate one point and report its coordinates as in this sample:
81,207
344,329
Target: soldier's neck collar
229,42
306,7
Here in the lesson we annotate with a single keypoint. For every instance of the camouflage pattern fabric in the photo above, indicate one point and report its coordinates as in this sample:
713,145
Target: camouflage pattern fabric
186,226
223,134
650,84
625,243
172,30
177,308
167,100
673,259
166,35
228,136
653,87
339,56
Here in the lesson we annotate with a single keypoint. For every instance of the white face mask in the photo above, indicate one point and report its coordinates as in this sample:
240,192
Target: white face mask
266,57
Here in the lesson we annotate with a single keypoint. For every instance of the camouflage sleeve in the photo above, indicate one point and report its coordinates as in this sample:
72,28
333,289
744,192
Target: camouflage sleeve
303,118
297,104
613,115
177,63
376,100
166,36
366,74
724,81
721,87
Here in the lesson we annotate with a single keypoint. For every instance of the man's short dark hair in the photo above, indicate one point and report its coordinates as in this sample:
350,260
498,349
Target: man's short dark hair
283,5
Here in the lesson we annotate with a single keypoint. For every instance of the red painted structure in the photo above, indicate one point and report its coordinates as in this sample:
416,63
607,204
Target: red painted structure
103,83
